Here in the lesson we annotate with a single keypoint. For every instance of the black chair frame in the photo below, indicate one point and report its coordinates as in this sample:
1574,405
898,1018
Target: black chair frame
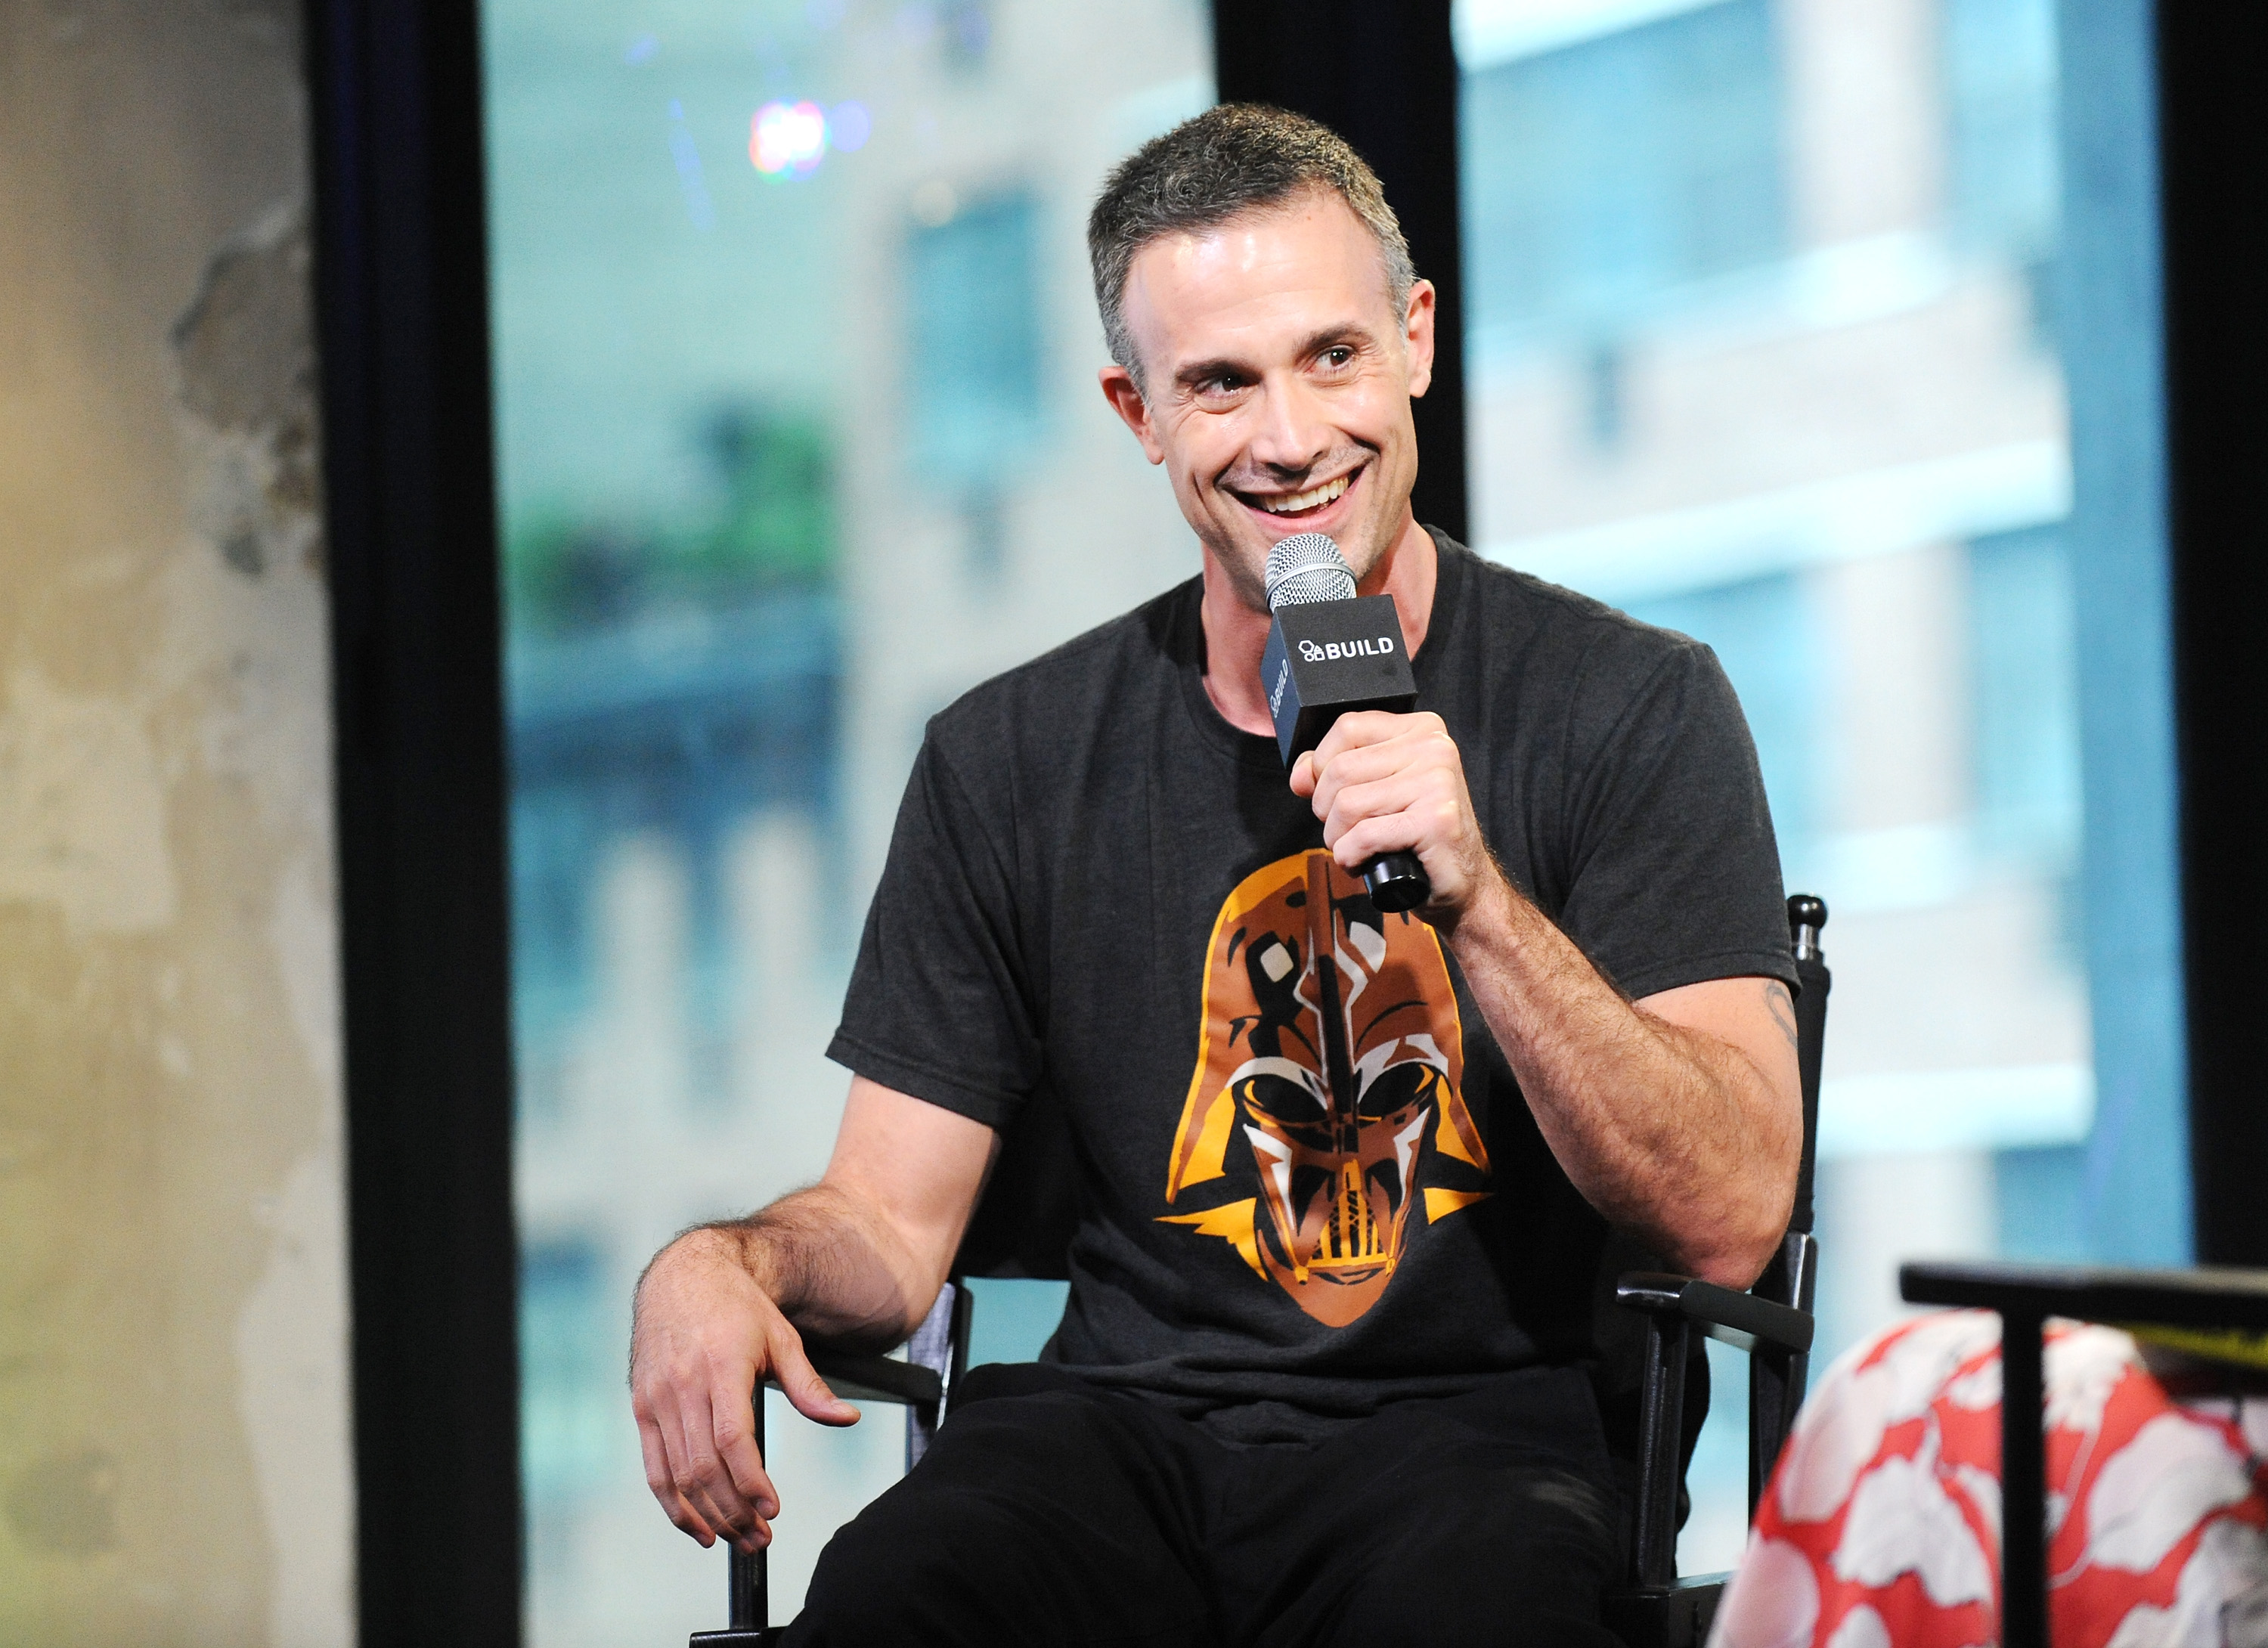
1023,1229
1773,1322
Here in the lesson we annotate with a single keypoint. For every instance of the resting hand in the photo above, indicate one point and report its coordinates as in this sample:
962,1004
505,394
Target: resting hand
1385,783
705,1337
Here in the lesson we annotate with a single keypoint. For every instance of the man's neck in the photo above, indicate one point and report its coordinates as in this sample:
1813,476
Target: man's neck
1236,635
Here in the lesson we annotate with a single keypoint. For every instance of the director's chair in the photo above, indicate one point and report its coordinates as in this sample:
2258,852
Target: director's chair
1023,1226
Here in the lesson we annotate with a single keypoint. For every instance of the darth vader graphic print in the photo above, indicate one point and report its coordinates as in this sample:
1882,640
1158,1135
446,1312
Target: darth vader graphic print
1325,1125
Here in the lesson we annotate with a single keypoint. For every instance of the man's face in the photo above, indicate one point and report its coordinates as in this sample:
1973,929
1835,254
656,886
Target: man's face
1276,376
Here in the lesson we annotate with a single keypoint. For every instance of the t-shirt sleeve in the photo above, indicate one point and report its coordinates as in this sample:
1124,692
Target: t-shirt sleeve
940,1005
1675,876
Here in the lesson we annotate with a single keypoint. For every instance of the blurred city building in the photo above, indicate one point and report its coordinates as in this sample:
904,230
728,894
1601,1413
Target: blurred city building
1764,348
800,439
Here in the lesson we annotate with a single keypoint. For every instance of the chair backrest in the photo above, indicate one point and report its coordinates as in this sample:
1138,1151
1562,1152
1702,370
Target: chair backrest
1652,1430
1776,1385
1805,917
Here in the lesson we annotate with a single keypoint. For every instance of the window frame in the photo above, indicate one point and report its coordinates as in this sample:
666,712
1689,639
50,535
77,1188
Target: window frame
418,707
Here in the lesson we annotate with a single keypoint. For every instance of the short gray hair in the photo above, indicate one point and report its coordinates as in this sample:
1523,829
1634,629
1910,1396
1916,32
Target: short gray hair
1230,159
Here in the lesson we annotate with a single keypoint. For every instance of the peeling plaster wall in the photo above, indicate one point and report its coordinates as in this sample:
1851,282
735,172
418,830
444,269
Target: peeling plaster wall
174,1464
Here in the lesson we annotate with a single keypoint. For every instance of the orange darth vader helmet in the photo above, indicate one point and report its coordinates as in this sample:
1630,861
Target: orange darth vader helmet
1331,1038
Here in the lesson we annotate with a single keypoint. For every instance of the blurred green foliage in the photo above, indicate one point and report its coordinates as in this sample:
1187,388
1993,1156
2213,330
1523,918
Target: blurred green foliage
774,529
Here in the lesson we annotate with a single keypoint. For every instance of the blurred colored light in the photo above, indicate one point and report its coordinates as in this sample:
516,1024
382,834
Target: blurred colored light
848,127
788,139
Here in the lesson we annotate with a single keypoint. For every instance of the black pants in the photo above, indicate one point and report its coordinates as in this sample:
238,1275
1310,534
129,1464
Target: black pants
1050,1511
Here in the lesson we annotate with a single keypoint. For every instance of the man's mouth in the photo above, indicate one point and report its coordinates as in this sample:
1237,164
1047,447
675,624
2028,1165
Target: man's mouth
1298,504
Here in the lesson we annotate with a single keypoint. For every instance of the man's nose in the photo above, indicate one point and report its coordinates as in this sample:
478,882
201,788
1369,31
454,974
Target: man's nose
1291,436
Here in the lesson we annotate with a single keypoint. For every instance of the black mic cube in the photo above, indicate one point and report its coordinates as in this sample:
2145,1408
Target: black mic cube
1329,659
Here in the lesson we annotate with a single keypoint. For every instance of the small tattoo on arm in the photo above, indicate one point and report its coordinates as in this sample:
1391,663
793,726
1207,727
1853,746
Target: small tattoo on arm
1782,1008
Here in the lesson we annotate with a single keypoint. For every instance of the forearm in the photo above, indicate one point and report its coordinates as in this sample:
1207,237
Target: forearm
856,1259
833,1266
1672,1134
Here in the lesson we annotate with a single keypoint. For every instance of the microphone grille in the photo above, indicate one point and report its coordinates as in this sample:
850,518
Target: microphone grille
1307,566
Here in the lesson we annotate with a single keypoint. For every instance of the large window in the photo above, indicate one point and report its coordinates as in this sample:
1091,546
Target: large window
1763,346
794,352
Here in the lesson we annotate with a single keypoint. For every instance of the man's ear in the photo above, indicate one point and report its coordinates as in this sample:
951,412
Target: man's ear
1125,397
1418,332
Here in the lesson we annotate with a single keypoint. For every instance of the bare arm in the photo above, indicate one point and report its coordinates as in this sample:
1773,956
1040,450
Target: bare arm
1679,1117
858,1258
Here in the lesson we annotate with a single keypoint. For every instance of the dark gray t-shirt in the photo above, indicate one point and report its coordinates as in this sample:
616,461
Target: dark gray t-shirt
1310,1182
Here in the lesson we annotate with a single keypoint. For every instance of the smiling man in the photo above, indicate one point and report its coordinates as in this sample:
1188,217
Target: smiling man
1329,1370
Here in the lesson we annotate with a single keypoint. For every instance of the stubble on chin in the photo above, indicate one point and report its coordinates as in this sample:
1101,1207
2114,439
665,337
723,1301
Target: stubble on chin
1242,564
1248,579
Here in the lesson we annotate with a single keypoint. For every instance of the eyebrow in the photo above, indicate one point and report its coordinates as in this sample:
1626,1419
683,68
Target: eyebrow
1315,343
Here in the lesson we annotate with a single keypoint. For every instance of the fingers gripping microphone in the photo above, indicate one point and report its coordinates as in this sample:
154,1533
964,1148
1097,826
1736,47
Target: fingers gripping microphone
1331,651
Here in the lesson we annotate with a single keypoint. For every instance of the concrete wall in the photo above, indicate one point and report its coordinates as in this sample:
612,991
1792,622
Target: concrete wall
174,1462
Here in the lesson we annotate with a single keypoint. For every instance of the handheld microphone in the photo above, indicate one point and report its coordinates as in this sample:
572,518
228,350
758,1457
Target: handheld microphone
1331,651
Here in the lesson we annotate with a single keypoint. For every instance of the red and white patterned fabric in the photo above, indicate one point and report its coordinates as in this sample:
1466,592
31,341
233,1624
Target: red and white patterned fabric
1882,1523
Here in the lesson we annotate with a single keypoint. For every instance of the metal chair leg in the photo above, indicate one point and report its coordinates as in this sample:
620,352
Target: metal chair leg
2023,1484
747,1584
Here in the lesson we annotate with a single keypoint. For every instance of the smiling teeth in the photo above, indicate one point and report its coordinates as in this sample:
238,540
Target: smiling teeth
1324,493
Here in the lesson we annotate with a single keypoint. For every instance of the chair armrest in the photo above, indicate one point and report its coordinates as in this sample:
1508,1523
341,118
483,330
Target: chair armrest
2171,1298
861,1379
877,1379
1719,1309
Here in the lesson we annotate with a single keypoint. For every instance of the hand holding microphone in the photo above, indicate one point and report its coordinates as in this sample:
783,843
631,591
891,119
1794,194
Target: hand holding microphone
1332,652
